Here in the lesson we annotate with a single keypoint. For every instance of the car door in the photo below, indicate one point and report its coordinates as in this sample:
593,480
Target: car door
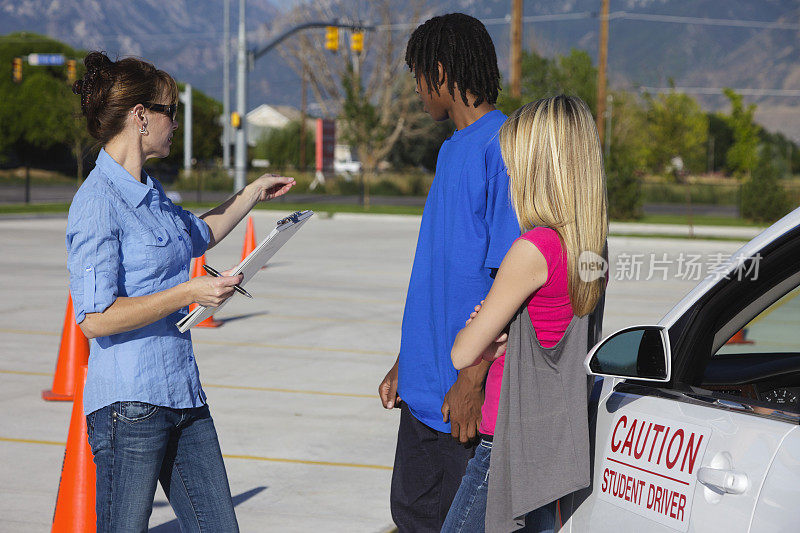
698,452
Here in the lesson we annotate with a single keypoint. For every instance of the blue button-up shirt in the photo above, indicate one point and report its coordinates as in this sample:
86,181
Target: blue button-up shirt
126,238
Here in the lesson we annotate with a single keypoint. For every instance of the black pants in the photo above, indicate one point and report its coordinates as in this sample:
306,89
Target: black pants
428,467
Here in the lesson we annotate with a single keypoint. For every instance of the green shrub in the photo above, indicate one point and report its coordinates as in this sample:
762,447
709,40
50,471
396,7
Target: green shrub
205,180
281,147
763,196
624,194
346,187
385,188
419,184
702,193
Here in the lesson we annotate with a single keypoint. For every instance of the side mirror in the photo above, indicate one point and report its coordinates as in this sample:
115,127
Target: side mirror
639,352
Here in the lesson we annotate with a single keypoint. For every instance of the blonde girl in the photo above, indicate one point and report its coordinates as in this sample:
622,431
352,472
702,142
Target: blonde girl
536,394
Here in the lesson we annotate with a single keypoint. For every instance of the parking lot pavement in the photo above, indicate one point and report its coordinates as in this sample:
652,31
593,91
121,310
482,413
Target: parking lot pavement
291,376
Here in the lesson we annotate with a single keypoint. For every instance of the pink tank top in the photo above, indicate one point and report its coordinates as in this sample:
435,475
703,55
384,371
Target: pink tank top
550,310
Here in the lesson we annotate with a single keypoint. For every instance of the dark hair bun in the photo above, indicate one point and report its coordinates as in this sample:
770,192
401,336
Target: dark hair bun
96,61
110,89
91,86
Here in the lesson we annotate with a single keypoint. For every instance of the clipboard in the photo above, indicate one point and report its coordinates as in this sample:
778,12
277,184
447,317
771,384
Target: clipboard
255,261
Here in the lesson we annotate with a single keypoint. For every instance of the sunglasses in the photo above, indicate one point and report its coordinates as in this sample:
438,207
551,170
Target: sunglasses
170,110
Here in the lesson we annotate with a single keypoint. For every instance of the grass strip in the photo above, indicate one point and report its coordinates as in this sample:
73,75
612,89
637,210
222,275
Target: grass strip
12,209
331,207
323,207
697,220
676,236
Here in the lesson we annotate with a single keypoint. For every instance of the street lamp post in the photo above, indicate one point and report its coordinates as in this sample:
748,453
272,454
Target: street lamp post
186,97
240,174
226,88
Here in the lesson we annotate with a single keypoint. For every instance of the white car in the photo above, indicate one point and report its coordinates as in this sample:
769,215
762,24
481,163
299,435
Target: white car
695,420
346,166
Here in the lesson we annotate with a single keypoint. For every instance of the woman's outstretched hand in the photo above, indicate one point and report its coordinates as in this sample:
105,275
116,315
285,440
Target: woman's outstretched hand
270,186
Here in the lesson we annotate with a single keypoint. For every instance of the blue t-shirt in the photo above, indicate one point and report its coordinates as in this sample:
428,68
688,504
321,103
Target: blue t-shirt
467,227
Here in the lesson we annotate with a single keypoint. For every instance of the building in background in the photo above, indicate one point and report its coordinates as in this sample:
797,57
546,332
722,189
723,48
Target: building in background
266,117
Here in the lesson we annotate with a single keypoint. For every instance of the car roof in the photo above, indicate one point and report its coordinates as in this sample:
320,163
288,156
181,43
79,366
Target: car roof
758,243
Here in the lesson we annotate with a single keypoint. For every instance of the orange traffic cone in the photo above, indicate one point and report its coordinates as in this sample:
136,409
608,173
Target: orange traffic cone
73,353
740,337
249,239
75,503
199,271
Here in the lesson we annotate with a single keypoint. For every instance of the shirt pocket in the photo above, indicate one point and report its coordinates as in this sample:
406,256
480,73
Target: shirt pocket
158,237
155,241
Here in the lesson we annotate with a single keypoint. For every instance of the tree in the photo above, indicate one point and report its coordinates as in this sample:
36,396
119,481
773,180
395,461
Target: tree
573,74
720,138
742,155
577,76
282,147
206,129
372,91
41,112
626,158
677,127
763,198
421,149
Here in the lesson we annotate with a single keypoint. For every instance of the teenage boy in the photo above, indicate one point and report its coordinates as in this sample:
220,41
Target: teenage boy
467,227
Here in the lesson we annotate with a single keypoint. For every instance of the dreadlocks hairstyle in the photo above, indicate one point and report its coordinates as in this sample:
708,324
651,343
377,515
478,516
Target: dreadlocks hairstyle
463,47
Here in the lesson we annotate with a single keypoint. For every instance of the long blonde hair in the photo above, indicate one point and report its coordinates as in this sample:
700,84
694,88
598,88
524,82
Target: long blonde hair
552,152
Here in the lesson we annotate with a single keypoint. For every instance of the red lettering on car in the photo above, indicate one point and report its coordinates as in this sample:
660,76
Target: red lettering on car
624,421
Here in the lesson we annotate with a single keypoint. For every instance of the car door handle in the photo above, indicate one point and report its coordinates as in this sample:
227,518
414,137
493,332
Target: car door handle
729,481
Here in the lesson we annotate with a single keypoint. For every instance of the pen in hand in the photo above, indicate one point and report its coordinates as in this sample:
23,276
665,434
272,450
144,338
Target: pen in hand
214,273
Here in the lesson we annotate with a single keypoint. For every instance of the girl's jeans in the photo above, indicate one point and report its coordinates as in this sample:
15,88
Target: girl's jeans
468,511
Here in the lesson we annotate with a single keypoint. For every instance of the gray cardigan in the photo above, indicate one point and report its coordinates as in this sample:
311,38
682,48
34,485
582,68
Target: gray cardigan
541,440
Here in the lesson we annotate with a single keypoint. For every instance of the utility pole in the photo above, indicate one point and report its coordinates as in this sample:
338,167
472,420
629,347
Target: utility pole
226,88
187,129
602,63
515,58
240,175
303,106
609,111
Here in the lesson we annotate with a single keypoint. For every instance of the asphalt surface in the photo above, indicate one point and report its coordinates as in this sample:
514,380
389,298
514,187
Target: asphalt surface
291,376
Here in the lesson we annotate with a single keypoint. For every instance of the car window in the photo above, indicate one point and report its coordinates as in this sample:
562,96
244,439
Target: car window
775,330
760,362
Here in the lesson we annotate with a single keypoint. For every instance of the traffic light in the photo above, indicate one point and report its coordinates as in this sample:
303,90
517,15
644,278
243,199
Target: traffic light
236,120
16,71
332,38
357,42
71,71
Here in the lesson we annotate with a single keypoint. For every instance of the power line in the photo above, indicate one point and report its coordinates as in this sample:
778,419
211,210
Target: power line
704,21
622,15
616,15
498,21
791,93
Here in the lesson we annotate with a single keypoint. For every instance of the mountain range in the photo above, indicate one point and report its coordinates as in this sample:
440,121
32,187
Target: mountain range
652,43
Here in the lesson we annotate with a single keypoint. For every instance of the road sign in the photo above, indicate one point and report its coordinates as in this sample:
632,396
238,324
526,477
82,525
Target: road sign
46,60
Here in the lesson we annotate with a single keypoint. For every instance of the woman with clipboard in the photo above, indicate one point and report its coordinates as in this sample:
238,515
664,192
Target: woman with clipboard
128,253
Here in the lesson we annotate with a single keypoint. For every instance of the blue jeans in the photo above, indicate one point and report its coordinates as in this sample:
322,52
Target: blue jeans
468,511
136,444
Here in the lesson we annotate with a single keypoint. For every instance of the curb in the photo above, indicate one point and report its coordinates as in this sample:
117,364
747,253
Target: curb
681,231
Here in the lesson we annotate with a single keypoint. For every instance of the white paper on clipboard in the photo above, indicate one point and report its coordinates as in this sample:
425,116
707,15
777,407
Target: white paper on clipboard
251,264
